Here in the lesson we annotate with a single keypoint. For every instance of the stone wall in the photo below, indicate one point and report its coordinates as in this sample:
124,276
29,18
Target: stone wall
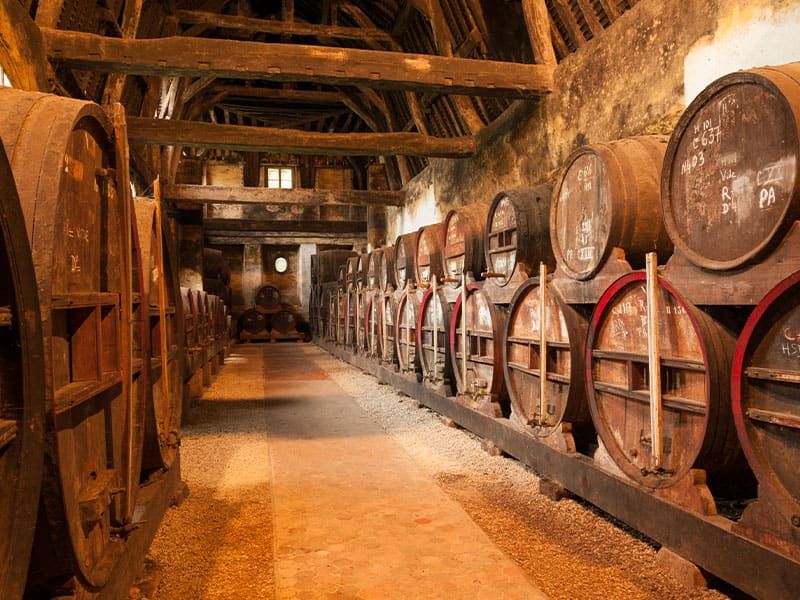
634,79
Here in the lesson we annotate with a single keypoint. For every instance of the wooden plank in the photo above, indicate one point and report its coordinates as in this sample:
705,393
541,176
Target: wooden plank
290,141
222,238
537,20
262,195
281,94
290,62
277,27
317,227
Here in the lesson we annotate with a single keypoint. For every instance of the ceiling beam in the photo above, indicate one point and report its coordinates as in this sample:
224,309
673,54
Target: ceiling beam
316,227
181,194
277,27
225,238
290,62
281,94
163,132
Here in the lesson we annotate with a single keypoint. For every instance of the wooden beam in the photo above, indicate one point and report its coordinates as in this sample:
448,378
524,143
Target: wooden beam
289,62
316,227
225,238
48,12
259,195
291,141
115,84
277,27
282,94
537,20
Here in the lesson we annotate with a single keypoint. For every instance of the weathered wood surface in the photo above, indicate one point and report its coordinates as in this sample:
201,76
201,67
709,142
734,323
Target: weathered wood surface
178,56
22,51
346,227
217,194
283,28
165,132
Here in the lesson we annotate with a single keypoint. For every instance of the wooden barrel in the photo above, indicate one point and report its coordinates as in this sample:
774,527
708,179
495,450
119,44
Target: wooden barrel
362,269
215,266
386,270
361,320
165,325
404,248
253,322
341,277
484,387
329,263
268,299
695,357
388,314
433,338
351,274
314,269
565,336
428,254
764,393
517,234
190,326
374,269
22,391
78,223
333,312
405,332
730,189
351,316
462,242
284,322
341,318
203,318
607,197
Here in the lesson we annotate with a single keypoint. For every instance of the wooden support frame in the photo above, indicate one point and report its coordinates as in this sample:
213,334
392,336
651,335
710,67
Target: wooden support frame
214,194
290,62
165,132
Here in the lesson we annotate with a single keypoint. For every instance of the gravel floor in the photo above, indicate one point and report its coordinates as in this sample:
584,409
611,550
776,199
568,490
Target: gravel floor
568,549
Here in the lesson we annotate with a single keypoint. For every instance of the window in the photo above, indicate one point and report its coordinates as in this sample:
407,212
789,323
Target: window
279,177
281,264
4,80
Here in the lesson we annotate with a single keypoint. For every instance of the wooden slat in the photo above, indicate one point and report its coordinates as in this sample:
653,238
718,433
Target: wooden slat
289,62
774,418
770,374
290,141
261,195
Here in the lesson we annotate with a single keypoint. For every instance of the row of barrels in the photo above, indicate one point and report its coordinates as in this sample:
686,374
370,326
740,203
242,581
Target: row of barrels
207,339
537,308
93,323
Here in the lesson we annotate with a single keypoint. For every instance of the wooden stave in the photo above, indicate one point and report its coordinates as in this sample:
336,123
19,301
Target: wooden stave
432,234
719,453
163,419
574,408
633,165
473,218
446,314
532,207
24,456
403,264
784,81
767,315
41,127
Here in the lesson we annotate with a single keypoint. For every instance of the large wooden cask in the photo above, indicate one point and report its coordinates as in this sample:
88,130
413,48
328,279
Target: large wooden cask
565,335
329,262
433,338
517,234
607,197
479,371
404,252
78,219
695,359
22,391
462,242
405,332
730,179
165,327
386,271
428,254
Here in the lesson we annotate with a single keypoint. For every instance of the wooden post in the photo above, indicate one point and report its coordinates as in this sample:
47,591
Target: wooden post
654,361
435,331
542,344
464,330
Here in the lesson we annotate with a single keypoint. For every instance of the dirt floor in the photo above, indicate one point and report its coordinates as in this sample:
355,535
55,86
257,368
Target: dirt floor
308,479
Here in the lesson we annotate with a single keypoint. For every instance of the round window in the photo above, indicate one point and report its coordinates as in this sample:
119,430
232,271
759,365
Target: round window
281,264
